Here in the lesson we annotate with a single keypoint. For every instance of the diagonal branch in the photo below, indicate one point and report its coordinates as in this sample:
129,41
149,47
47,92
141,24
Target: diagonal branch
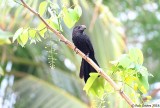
71,45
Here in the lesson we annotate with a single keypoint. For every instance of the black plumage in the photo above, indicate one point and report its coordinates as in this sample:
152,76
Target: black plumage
83,43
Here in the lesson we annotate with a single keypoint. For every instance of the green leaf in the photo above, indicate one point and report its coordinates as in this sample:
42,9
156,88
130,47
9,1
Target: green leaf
142,70
95,85
78,10
24,37
71,16
32,33
42,29
41,26
90,81
53,22
136,55
42,7
143,78
42,32
98,87
17,34
124,61
144,81
19,41
66,18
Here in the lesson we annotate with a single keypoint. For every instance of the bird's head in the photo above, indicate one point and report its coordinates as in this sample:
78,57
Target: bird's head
79,29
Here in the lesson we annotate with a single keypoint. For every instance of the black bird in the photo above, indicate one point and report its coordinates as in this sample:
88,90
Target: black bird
83,43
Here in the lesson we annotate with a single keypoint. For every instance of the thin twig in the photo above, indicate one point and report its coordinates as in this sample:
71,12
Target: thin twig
72,46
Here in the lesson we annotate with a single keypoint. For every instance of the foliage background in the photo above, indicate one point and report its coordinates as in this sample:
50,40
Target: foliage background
28,78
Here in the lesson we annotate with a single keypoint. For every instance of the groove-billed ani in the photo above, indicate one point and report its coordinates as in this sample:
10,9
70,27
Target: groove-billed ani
82,42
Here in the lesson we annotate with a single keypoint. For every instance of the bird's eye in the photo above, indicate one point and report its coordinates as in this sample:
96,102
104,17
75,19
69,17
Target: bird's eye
79,27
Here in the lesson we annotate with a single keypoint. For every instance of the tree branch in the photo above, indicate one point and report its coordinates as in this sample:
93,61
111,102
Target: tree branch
71,45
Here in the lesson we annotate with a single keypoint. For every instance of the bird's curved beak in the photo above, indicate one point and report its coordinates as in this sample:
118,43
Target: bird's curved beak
83,27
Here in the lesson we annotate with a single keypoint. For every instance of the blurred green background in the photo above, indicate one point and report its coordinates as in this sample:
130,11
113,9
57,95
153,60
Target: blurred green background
28,81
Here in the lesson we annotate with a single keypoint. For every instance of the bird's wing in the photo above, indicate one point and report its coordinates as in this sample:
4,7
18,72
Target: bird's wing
89,44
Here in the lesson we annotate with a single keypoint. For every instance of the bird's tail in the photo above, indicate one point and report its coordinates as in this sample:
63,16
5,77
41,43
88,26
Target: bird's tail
86,68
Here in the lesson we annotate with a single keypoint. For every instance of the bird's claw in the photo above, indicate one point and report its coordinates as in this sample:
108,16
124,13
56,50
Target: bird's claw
75,49
100,70
86,56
